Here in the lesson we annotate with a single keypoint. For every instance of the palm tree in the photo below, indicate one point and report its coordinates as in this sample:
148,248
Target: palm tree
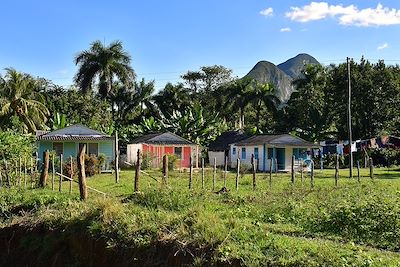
19,98
262,94
104,63
238,98
144,92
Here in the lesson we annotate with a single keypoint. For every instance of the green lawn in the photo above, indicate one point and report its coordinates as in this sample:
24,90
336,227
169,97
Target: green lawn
353,224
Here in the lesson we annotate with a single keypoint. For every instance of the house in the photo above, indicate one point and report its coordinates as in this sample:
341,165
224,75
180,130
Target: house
219,148
159,144
266,147
67,141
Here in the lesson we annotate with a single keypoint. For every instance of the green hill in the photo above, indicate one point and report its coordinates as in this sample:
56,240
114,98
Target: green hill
281,76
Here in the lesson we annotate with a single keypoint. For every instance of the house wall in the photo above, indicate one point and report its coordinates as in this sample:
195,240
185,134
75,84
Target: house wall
71,149
263,162
131,152
219,155
158,152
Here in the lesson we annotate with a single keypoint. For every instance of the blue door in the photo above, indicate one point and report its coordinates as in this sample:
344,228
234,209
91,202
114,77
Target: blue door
280,156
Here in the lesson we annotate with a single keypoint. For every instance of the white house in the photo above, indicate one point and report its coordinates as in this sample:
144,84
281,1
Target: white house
267,148
219,148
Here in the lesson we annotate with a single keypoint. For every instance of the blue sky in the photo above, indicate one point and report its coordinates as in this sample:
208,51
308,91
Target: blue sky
168,38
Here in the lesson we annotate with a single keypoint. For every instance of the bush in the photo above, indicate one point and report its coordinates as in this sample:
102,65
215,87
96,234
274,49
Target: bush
92,166
147,160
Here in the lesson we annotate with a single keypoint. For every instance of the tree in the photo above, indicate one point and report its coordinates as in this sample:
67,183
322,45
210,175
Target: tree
105,63
308,111
209,78
172,97
238,98
144,93
262,94
19,97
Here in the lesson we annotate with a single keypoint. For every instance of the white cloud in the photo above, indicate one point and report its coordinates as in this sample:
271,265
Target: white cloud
286,29
267,12
383,46
349,15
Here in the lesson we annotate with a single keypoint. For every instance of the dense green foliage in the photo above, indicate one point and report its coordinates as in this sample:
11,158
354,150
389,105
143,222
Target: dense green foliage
209,101
14,146
286,225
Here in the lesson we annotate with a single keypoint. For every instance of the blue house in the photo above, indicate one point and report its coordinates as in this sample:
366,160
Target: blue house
67,141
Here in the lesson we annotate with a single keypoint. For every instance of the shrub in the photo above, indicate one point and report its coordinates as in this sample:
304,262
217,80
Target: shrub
147,160
92,166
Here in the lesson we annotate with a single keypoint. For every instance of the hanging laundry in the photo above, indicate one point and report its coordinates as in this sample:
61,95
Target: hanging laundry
339,149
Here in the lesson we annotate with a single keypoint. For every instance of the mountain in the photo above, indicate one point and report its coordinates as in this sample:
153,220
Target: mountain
295,65
267,72
283,75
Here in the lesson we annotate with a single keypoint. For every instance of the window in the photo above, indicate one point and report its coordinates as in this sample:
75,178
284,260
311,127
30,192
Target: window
234,151
243,153
93,149
256,153
300,153
58,148
178,152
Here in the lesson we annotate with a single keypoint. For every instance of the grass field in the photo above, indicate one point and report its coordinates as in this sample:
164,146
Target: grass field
353,224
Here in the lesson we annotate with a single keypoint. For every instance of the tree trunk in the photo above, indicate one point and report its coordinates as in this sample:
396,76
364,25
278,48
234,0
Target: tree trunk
45,171
82,173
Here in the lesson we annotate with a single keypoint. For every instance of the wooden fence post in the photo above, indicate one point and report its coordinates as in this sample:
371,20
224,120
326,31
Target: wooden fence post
358,171
53,169
365,160
82,173
165,169
293,174
116,159
371,168
214,173
72,175
61,172
137,172
270,172
337,169
253,169
276,167
25,171
312,174
202,173
45,171
237,173
302,171
225,169
19,171
190,172
6,173
32,172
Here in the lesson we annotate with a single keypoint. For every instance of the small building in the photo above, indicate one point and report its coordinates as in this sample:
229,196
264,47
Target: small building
219,148
157,145
271,148
67,142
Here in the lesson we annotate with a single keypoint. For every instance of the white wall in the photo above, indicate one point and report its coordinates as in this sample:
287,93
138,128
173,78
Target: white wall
219,155
249,152
131,152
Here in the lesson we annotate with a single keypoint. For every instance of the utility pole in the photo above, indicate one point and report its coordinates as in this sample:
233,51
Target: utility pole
349,119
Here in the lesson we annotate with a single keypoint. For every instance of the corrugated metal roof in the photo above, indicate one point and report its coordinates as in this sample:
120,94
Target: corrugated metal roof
225,139
75,132
75,138
276,140
166,138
